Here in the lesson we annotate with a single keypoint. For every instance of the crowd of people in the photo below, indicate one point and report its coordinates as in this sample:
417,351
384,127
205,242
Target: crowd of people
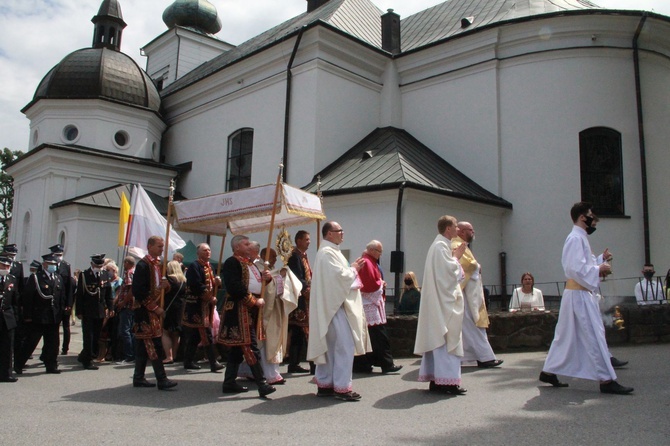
333,313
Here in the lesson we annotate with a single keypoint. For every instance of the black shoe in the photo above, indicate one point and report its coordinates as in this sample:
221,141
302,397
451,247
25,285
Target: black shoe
616,363
166,384
216,368
18,371
347,396
143,383
53,371
322,391
394,368
489,364
265,389
63,352
191,366
615,388
455,390
551,379
8,379
233,388
297,369
91,367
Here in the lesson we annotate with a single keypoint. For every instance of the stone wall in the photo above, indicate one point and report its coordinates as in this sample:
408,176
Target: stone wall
535,330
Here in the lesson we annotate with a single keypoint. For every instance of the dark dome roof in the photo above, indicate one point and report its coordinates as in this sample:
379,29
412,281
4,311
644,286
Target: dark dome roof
198,14
99,73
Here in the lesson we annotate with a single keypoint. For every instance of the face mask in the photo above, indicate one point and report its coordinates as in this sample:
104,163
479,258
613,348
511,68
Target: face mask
649,274
51,268
589,229
409,282
4,272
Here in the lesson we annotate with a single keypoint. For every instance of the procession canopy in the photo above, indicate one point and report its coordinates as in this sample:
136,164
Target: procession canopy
247,210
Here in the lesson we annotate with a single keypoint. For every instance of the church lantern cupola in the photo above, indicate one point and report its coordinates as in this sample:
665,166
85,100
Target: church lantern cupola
109,26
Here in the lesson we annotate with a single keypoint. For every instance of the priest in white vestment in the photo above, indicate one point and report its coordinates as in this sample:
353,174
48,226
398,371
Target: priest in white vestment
476,346
337,327
579,348
438,336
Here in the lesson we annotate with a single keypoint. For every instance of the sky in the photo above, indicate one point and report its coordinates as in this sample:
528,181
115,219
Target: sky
36,34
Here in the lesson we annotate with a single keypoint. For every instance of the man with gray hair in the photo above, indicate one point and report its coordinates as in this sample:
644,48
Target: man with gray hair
241,318
374,306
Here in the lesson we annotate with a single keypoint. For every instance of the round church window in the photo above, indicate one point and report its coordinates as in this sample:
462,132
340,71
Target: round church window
70,133
121,139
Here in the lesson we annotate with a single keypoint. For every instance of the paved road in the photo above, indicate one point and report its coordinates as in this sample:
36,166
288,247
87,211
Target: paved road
505,406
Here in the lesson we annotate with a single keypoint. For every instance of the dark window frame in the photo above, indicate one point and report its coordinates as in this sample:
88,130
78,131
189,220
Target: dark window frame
239,159
601,170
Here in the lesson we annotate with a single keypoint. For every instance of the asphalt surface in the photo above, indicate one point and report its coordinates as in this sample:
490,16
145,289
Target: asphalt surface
503,406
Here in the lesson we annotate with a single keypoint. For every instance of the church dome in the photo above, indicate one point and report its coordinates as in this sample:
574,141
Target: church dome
200,15
99,73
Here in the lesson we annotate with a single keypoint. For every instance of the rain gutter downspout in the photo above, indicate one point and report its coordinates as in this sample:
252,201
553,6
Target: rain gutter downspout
287,110
398,234
640,128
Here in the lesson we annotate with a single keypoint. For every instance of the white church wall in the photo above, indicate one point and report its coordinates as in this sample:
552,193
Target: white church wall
97,122
545,101
655,76
456,116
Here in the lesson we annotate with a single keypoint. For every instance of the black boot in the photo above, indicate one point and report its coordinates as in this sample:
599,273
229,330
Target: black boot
214,365
229,380
264,388
159,370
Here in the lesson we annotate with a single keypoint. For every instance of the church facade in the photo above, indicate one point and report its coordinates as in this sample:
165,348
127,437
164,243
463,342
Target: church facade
500,113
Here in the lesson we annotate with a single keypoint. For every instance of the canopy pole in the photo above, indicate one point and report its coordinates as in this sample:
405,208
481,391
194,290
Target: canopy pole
218,265
272,223
318,222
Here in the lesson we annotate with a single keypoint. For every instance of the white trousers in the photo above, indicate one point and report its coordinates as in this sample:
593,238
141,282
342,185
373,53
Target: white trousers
336,373
440,366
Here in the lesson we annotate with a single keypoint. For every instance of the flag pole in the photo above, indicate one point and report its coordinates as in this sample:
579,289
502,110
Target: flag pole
167,236
127,235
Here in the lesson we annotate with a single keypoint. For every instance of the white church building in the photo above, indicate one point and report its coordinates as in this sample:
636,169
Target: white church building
502,113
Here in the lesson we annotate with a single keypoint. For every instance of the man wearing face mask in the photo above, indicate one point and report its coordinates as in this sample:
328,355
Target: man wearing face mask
65,272
43,302
648,291
579,348
93,302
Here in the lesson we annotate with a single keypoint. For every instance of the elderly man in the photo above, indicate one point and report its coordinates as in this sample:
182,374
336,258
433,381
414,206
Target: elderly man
648,291
337,328
199,308
579,348
148,288
476,345
298,322
281,298
374,307
242,317
438,336
43,300
9,302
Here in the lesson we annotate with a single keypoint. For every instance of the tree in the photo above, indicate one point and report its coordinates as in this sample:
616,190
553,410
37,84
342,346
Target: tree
6,192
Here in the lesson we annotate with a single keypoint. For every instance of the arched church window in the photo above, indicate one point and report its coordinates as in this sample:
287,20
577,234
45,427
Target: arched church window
601,168
25,233
240,149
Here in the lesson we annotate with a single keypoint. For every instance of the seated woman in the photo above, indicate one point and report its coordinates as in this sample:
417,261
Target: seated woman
410,297
526,297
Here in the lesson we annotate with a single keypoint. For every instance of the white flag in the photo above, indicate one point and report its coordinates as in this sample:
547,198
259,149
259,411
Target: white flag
145,221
